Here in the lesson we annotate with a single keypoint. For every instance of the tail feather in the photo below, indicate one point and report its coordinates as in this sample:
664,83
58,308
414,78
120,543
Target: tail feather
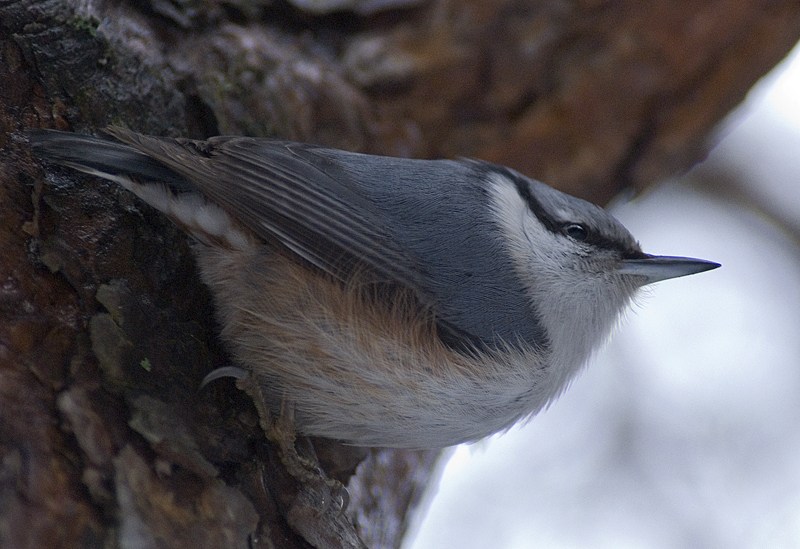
148,179
104,157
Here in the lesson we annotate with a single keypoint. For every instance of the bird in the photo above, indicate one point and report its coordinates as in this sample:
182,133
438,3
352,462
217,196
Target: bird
387,302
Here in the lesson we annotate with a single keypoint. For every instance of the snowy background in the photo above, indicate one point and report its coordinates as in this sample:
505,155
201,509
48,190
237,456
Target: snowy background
685,430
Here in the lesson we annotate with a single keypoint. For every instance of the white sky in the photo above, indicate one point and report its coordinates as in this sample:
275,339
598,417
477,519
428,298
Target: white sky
685,430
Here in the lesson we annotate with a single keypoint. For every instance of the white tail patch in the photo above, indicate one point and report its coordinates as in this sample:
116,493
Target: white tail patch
203,219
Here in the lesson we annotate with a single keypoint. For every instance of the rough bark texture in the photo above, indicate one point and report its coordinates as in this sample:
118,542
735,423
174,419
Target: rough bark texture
105,332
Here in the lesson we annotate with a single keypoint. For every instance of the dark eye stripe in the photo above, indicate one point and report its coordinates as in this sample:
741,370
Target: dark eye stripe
593,237
535,206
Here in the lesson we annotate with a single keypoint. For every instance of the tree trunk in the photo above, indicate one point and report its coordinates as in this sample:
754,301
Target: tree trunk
106,438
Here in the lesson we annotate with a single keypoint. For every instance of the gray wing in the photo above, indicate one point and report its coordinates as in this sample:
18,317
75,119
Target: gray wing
421,224
283,191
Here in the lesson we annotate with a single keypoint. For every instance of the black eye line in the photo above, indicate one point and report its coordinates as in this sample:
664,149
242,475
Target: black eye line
592,236
525,192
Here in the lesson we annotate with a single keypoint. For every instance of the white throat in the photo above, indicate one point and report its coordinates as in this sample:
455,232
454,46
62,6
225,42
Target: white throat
577,305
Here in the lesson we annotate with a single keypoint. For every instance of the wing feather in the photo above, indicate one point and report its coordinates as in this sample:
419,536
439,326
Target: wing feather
280,192
418,224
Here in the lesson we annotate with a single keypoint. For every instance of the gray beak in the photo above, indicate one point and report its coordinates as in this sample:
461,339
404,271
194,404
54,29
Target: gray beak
663,267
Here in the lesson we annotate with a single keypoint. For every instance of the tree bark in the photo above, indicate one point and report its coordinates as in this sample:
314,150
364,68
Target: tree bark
105,437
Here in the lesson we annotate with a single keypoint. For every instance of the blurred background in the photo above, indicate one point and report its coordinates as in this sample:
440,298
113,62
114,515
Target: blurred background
684,431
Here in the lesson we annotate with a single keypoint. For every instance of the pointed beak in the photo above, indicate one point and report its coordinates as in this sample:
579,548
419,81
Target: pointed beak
655,268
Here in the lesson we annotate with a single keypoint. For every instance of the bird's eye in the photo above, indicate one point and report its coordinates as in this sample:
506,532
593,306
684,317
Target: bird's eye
576,232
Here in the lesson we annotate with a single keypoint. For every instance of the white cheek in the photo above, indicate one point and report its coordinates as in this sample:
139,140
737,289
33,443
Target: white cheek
523,236
577,306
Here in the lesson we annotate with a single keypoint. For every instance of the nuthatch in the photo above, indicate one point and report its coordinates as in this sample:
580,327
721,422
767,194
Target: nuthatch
393,302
